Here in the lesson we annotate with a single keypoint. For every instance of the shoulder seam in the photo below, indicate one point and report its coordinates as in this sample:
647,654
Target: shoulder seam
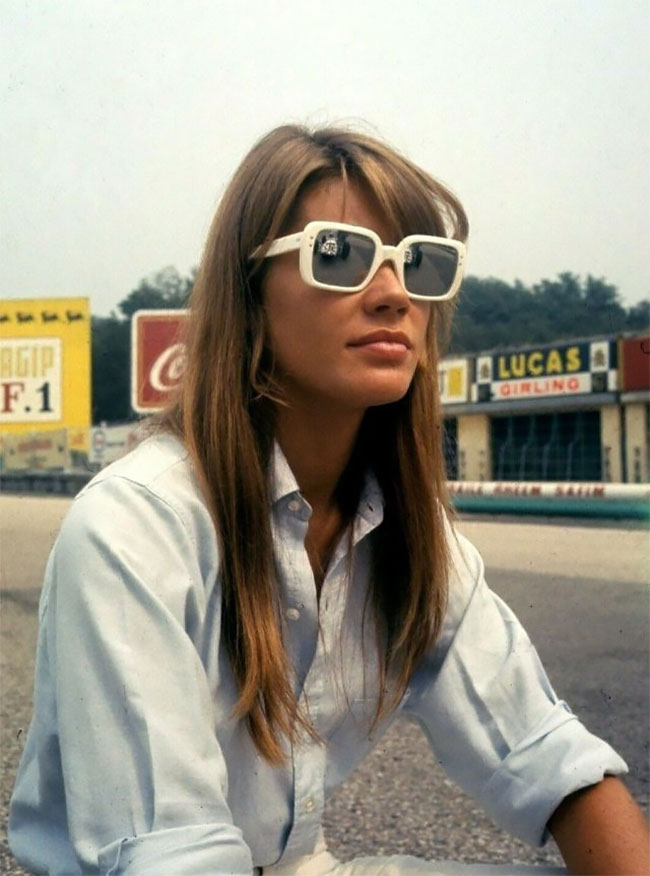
148,488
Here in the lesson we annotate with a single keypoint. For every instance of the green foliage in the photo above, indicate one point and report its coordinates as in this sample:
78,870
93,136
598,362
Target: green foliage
638,317
111,356
492,314
165,290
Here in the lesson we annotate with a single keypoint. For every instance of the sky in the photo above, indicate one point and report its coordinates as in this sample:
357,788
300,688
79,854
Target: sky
123,120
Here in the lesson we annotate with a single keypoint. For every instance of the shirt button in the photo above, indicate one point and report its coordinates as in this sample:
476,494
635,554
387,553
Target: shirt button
294,505
292,614
309,805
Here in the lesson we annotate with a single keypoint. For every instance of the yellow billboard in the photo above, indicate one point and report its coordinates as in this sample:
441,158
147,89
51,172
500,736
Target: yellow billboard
45,365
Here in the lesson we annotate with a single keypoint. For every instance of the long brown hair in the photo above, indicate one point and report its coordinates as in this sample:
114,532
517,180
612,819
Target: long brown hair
225,417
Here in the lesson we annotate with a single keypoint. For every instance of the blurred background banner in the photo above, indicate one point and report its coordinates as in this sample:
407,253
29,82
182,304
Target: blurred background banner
42,451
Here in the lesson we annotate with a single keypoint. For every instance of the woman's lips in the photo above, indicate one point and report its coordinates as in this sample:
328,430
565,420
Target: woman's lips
386,345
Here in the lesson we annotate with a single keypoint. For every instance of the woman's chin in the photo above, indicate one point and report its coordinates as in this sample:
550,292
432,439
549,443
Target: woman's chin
381,393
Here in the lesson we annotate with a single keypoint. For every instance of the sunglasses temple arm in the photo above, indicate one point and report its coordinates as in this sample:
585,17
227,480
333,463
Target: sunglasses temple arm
290,243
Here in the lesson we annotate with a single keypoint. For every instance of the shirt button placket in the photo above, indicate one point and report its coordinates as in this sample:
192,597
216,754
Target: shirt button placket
309,782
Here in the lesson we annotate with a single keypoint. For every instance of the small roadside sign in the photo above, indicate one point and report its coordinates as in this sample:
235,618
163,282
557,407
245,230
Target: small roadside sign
99,443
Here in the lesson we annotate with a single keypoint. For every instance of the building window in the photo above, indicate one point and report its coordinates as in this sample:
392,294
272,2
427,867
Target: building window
547,447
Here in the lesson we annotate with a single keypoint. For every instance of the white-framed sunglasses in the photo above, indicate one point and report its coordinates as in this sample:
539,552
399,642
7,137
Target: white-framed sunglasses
345,258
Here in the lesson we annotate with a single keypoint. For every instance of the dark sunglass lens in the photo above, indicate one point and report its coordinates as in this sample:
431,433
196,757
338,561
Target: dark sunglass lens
342,258
429,268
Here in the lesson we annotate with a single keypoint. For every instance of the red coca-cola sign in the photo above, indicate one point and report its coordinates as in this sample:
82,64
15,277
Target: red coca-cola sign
157,357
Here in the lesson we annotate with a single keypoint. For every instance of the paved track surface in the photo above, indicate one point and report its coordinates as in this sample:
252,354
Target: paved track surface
580,589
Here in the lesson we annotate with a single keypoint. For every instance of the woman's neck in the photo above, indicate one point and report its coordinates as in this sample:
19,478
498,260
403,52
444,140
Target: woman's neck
318,445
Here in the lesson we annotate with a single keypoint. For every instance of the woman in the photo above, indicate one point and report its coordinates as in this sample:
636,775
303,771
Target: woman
234,612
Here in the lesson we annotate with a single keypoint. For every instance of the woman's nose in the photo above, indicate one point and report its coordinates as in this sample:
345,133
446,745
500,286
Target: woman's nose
385,292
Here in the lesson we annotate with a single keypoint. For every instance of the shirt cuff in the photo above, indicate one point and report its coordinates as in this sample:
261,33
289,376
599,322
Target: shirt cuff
521,797
199,849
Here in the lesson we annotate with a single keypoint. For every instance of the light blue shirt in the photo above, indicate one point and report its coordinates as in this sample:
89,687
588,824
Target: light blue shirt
134,762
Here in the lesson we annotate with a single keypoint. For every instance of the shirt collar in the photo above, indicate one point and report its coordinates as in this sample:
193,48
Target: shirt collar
282,479
283,483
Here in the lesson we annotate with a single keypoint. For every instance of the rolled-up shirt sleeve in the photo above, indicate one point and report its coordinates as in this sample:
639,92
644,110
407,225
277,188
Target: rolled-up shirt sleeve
132,716
492,716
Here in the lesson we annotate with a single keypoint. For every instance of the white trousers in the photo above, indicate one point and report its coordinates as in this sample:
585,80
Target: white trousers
322,863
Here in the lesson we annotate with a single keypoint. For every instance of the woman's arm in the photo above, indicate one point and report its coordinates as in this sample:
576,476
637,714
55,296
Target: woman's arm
601,830
497,726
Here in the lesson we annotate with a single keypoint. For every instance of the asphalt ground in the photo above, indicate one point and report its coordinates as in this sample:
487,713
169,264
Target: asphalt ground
581,591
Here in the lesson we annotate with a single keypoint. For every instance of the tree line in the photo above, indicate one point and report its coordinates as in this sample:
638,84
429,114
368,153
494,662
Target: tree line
491,314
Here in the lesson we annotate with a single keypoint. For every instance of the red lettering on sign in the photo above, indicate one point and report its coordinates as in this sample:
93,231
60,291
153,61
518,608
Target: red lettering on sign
34,444
9,395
